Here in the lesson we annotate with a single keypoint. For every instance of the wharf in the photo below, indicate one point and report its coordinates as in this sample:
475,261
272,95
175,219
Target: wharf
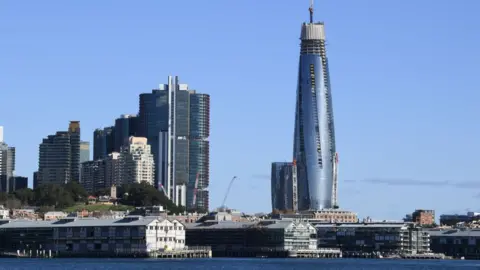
197,252
426,256
319,253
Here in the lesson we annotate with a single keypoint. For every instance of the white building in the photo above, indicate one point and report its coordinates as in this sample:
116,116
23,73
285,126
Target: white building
136,162
54,215
4,213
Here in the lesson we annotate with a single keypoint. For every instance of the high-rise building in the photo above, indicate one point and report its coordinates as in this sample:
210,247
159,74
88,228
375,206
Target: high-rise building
103,142
93,175
19,182
7,164
176,122
125,127
112,170
136,162
59,157
35,180
84,151
314,136
284,186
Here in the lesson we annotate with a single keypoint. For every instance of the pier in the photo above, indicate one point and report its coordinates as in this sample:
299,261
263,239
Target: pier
319,253
193,252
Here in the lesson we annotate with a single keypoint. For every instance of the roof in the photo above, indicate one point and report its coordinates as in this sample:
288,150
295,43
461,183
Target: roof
81,222
219,225
362,225
454,233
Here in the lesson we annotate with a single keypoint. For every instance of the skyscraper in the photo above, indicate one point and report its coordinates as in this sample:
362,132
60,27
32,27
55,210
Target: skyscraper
125,126
136,162
314,136
7,164
176,122
84,151
284,186
103,142
59,157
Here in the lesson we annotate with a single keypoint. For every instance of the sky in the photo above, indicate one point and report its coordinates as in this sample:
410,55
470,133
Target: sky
405,93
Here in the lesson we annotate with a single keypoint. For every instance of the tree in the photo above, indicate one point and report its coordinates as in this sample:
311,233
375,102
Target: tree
144,194
77,192
53,195
25,195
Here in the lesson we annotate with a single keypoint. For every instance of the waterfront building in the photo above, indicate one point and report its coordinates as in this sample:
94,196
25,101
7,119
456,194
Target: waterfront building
7,164
125,127
103,142
249,239
54,215
176,122
136,162
456,242
284,187
314,136
59,157
84,236
387,238
84,151
93,175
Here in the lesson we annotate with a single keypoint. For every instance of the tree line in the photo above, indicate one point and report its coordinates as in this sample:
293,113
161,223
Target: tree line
59,197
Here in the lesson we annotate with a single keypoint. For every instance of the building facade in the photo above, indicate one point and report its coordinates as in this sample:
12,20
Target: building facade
112,170
93,175
102,237
314,136
388,238
136,162
176,122
424,217
7,166
284,187
245,239
59,157
103,142
84,151
125,127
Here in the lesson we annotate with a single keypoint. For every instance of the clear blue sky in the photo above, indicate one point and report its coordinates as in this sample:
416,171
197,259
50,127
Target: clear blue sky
404,80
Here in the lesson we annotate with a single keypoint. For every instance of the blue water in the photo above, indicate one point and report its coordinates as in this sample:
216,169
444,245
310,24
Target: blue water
250,264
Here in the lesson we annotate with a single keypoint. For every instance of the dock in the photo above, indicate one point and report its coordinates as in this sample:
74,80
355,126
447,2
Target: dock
191,252
319,253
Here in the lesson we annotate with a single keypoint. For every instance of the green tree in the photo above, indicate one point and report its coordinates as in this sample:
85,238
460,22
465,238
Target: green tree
144,194
77,192
53,195
26,196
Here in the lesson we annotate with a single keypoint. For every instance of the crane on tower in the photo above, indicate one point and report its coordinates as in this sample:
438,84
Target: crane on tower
224,207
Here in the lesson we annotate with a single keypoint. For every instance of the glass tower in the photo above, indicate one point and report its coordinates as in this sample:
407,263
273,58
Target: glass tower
314,137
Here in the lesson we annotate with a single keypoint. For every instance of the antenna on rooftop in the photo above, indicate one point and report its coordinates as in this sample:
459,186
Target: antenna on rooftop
311,11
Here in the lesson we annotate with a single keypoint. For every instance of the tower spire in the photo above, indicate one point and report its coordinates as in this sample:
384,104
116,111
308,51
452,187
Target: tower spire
311,11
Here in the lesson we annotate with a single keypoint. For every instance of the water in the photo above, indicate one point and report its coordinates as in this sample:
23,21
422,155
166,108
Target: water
225,264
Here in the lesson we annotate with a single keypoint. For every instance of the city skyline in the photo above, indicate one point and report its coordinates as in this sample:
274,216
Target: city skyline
393,116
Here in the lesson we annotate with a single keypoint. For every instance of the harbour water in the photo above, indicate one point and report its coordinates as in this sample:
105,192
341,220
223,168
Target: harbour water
234,264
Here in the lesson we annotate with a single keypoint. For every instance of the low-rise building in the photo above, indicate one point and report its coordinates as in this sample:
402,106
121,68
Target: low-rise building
4,213
452,220
323,216
77,237
424,217
249,239
54,215
456,242
388,238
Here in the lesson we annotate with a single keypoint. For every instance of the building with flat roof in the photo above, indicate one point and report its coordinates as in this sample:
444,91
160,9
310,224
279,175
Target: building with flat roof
84,236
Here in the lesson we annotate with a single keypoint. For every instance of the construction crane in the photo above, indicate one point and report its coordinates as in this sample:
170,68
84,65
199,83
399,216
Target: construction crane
195,191
228,191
